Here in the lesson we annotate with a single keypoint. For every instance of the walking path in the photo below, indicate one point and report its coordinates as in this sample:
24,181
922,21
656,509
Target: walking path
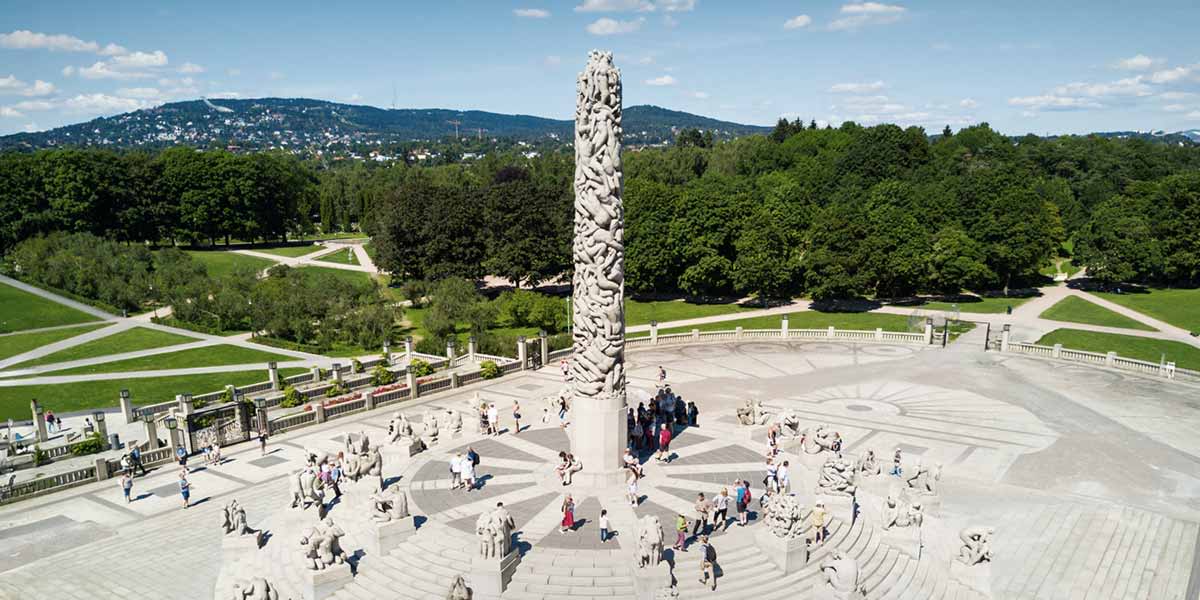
309,260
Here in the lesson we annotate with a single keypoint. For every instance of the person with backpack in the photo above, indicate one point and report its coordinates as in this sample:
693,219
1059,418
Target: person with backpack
743,513
135,459
708,556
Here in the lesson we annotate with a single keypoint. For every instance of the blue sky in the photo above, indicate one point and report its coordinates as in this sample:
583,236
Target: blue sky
1042,67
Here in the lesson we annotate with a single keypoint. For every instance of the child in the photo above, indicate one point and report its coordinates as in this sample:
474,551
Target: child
603,526
545,416
680,532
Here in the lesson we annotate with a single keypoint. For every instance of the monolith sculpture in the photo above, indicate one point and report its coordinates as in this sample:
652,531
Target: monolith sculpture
598,364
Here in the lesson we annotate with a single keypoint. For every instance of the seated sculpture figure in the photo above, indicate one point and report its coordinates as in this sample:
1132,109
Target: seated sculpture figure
235,519
789,424
819,439
255,588
900,514
389,505
321,546
868,465
306,489
977,545
785,518
752,413
430,422
923,479
841,577
650,541
399,428
458,589
837,477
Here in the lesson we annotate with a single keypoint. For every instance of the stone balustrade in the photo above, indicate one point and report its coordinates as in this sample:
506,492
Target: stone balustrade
1111,359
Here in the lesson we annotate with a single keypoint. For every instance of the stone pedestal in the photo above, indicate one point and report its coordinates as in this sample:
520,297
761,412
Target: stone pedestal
318,585
490,577
812,461
598,439
387,536
790,555
235,545
449,434
404,448
647,582
753,433
977,577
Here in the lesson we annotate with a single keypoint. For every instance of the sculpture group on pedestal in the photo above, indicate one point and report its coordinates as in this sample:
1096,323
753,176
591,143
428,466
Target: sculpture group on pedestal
429,424
458,589
235,520
819,439
789,424
900,514
321,547
494,533
389,505
868,465
399,428
306,490
976,545
837,477
752,413
785,517
255,588
650,541
841,577
923,479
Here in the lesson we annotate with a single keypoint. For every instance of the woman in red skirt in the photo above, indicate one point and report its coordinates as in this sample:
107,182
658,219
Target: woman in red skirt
568,510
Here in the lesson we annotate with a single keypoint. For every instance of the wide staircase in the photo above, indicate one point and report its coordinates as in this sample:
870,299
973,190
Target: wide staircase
552,574
420,568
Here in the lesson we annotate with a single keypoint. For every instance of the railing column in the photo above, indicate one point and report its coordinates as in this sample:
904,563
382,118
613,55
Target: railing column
39,421
151,433
102,469
316,374
879,333
408,348
830,332
336,370
653,333
783,327
1004,337
544,347
127,407
450,352
522,353
319,409
387,352
738,332
472,347
273,374
695,334
928,330
1057,352
1167,370
1110,359
411,380
453,379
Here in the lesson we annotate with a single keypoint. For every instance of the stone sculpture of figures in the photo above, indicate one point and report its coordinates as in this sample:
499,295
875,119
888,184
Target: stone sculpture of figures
837,477
598,364
255,588
305,489
430,422
485,535
868,465
389,505
494,532
924,480
235,519
458,589
372,464
400,428
977,545
841,576
454,420
789,424
819,439
321,546
650,541
785,518
752,413
898,514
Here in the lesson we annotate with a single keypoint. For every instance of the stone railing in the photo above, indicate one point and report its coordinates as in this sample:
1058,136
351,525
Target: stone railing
46,485
830,333
1167,370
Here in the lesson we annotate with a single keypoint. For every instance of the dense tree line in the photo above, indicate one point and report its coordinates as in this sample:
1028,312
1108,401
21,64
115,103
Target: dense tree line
829,212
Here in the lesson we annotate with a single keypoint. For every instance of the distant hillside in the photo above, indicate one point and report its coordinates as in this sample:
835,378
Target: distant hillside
1179,137
305,123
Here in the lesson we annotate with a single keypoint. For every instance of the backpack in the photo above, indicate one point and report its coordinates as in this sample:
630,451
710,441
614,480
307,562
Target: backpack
747,495
474,459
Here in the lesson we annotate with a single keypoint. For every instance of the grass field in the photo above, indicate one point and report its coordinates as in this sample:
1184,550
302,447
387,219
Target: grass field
807,319
208,356
370,250
641,313
130,340
1077,310
20,310
983,305
1064,264
289,251
67,397
220,263
20,343
358,278
1180,308
341,257
1129,346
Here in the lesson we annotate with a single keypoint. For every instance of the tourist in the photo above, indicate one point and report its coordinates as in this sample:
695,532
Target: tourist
568,512
707,558
681,411
207,450
631,463
680,532
516,412
662,375
484,426
703,509
185,489
561,468
693,414
565,367
664,444
771,481
456,471
785,479
127,486
648,430
473,456
494,418
573,467
896,463
604,525
764,503
836,446
631,492
335,478
181,456
855,508
818,522
216,454
126,464
721,503
50,421
135,457
635,435
740,501
773,436
467,472
562,411
262,442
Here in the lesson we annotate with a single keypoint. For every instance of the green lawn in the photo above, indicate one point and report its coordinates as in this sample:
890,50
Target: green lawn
807,319
289,251
1129,346
1077,310
1064,264
341,257
20,343
978,304
641,313
21,310
1180,308
130,340
220,263
66,397
358,278
341,235
370,250
208,356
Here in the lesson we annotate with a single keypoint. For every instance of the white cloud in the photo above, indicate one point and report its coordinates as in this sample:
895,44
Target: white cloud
1139,62
140,60
857,88
677,5
188,67
33,105
9,112
1170,75
12,85
614,6
113,50
607,26
867,13
139,92
797,22
103,104
102,70
700,95
660,81
28,40
30,127
532,13
68,71
1175,107
1053,102
968,103
40,88
645,60
1130,86
1175,95
1193,116
552,61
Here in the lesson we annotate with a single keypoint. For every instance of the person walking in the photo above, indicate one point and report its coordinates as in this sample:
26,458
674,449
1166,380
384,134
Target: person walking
703,510
50,421
127,486
740,501
216,454
631,493
468,473
664,444
819,518
516,412
662,376
262,443
335,478
604,526
185,490
456,471
181,456
126,464
693,412
745,515
771,481
565,367
721,513
568,514
896,463
135,458
680,532
785,478
708,556
494,418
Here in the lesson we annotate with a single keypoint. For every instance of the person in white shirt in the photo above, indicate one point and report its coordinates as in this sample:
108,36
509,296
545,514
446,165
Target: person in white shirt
721,513
785,480
632,493
456,471
468,473
604,526
772,475
494,418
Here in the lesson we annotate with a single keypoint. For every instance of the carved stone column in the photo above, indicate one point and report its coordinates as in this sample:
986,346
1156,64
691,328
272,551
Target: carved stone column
598,364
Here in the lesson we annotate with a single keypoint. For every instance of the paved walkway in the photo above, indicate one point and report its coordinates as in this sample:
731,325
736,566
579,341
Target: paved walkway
310,260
